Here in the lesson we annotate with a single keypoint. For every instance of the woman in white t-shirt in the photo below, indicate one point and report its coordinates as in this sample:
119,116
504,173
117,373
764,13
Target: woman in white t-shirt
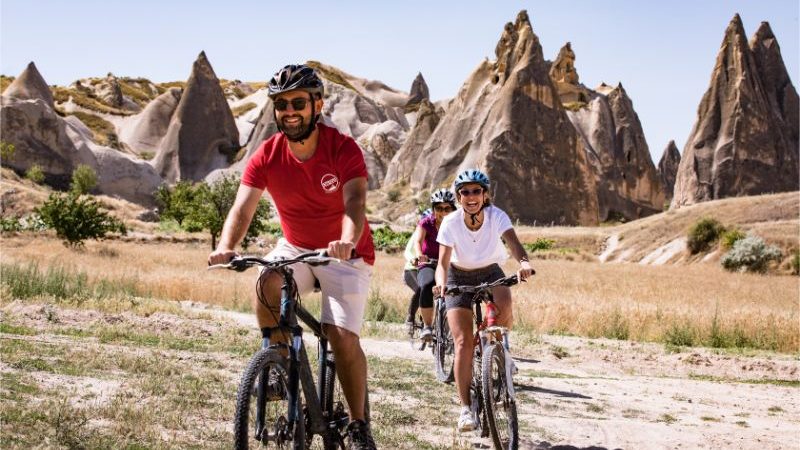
470,253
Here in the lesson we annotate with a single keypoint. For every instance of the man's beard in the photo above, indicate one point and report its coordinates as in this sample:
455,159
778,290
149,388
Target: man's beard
294,132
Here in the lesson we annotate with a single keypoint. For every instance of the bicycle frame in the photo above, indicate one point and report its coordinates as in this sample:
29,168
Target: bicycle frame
487,335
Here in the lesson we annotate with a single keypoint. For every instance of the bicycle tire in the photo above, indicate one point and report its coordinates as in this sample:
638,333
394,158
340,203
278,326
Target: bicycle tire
444,347
334,407
500,407
275,412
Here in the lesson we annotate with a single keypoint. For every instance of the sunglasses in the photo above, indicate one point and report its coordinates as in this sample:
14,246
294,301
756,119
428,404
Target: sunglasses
443,209
468,192
298,104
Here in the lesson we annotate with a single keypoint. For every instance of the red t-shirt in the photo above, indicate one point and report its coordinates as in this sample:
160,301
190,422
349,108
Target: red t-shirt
308,194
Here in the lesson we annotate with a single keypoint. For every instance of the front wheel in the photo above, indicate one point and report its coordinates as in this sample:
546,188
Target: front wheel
499,404
263,406
444,350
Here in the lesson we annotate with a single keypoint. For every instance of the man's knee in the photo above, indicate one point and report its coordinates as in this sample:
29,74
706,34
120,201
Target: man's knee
340,337
268,290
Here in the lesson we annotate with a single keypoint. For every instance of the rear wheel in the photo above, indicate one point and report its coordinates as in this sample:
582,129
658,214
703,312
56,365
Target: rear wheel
444,347
414,330
262,408
501,408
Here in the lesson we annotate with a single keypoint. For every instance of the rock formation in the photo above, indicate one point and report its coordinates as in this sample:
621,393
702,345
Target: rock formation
419,92
202,134
668,168
405,160
30,85
745,139
150,126
58,145
628,186
508,121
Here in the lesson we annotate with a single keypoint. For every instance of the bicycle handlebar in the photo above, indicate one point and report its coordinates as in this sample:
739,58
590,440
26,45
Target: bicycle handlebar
242,263
506,281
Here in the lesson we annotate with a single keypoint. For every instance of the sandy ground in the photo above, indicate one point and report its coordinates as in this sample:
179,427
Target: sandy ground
577,393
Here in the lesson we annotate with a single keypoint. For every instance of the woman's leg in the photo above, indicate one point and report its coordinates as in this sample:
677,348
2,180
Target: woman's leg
426,281
460,321
410,278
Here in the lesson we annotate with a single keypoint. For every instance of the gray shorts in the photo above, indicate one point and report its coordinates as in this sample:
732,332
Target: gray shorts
469,278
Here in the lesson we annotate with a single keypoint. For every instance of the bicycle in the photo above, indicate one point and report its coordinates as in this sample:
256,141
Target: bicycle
492,387
277,398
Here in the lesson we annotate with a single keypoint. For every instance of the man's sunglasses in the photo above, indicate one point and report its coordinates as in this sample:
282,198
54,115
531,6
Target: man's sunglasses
298,104
443,209
468,192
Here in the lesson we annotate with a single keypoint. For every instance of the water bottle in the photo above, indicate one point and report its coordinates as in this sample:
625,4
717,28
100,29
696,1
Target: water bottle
491,314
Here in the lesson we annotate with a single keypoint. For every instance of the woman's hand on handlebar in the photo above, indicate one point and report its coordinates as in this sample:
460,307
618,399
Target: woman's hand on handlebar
439,291
221,256
525,271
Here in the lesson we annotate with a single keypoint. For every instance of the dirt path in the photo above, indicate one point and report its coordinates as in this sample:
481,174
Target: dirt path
577,393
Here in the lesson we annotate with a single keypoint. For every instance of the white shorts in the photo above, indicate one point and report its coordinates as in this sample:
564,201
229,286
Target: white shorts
345,287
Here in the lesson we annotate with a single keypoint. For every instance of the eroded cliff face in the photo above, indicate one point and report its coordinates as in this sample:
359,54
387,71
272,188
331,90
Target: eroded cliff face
745,139
628,186
508,121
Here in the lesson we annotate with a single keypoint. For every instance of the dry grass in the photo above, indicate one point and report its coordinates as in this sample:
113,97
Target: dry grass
680,305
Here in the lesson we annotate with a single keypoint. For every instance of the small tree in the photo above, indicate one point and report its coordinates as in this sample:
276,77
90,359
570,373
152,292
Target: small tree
76,218
212,203
177,202
35,174
84,179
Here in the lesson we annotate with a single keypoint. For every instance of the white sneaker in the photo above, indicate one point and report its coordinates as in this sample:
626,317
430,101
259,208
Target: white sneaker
426,334
465,421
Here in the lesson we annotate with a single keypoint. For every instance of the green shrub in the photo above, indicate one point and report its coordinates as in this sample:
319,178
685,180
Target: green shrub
539,244
84,179
730,237
29,223
680,335
35,174
393,195
703,233
390,241
796,263
7,151
750,254
177,202
76,218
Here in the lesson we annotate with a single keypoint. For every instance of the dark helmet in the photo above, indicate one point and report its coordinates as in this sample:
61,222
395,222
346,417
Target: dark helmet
471,176
295,76
443,195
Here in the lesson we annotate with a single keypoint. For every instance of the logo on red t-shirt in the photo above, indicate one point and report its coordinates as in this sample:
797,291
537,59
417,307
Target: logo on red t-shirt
330,183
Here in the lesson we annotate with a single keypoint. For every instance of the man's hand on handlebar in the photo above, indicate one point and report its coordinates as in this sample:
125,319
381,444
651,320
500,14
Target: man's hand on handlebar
220,256
340,250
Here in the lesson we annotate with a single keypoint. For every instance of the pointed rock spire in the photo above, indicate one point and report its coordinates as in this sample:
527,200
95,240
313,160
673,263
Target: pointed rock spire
668,168
30,85
740,144
563,68
419,92
202,135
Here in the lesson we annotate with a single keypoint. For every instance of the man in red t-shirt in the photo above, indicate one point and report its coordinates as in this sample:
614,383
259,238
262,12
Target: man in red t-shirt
317,179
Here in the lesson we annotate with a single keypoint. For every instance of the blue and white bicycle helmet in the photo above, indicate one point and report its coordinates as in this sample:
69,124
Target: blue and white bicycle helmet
471,176
443,195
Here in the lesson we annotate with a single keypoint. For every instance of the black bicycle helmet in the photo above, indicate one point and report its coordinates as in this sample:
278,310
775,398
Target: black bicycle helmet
295,76
443,195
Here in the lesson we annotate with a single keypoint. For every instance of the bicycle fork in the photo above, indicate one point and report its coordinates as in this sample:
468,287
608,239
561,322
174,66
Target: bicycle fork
489,336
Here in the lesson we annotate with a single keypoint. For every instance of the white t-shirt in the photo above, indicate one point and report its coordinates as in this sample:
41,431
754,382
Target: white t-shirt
475,249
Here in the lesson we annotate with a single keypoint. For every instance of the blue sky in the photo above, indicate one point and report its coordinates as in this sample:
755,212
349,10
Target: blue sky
662,52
